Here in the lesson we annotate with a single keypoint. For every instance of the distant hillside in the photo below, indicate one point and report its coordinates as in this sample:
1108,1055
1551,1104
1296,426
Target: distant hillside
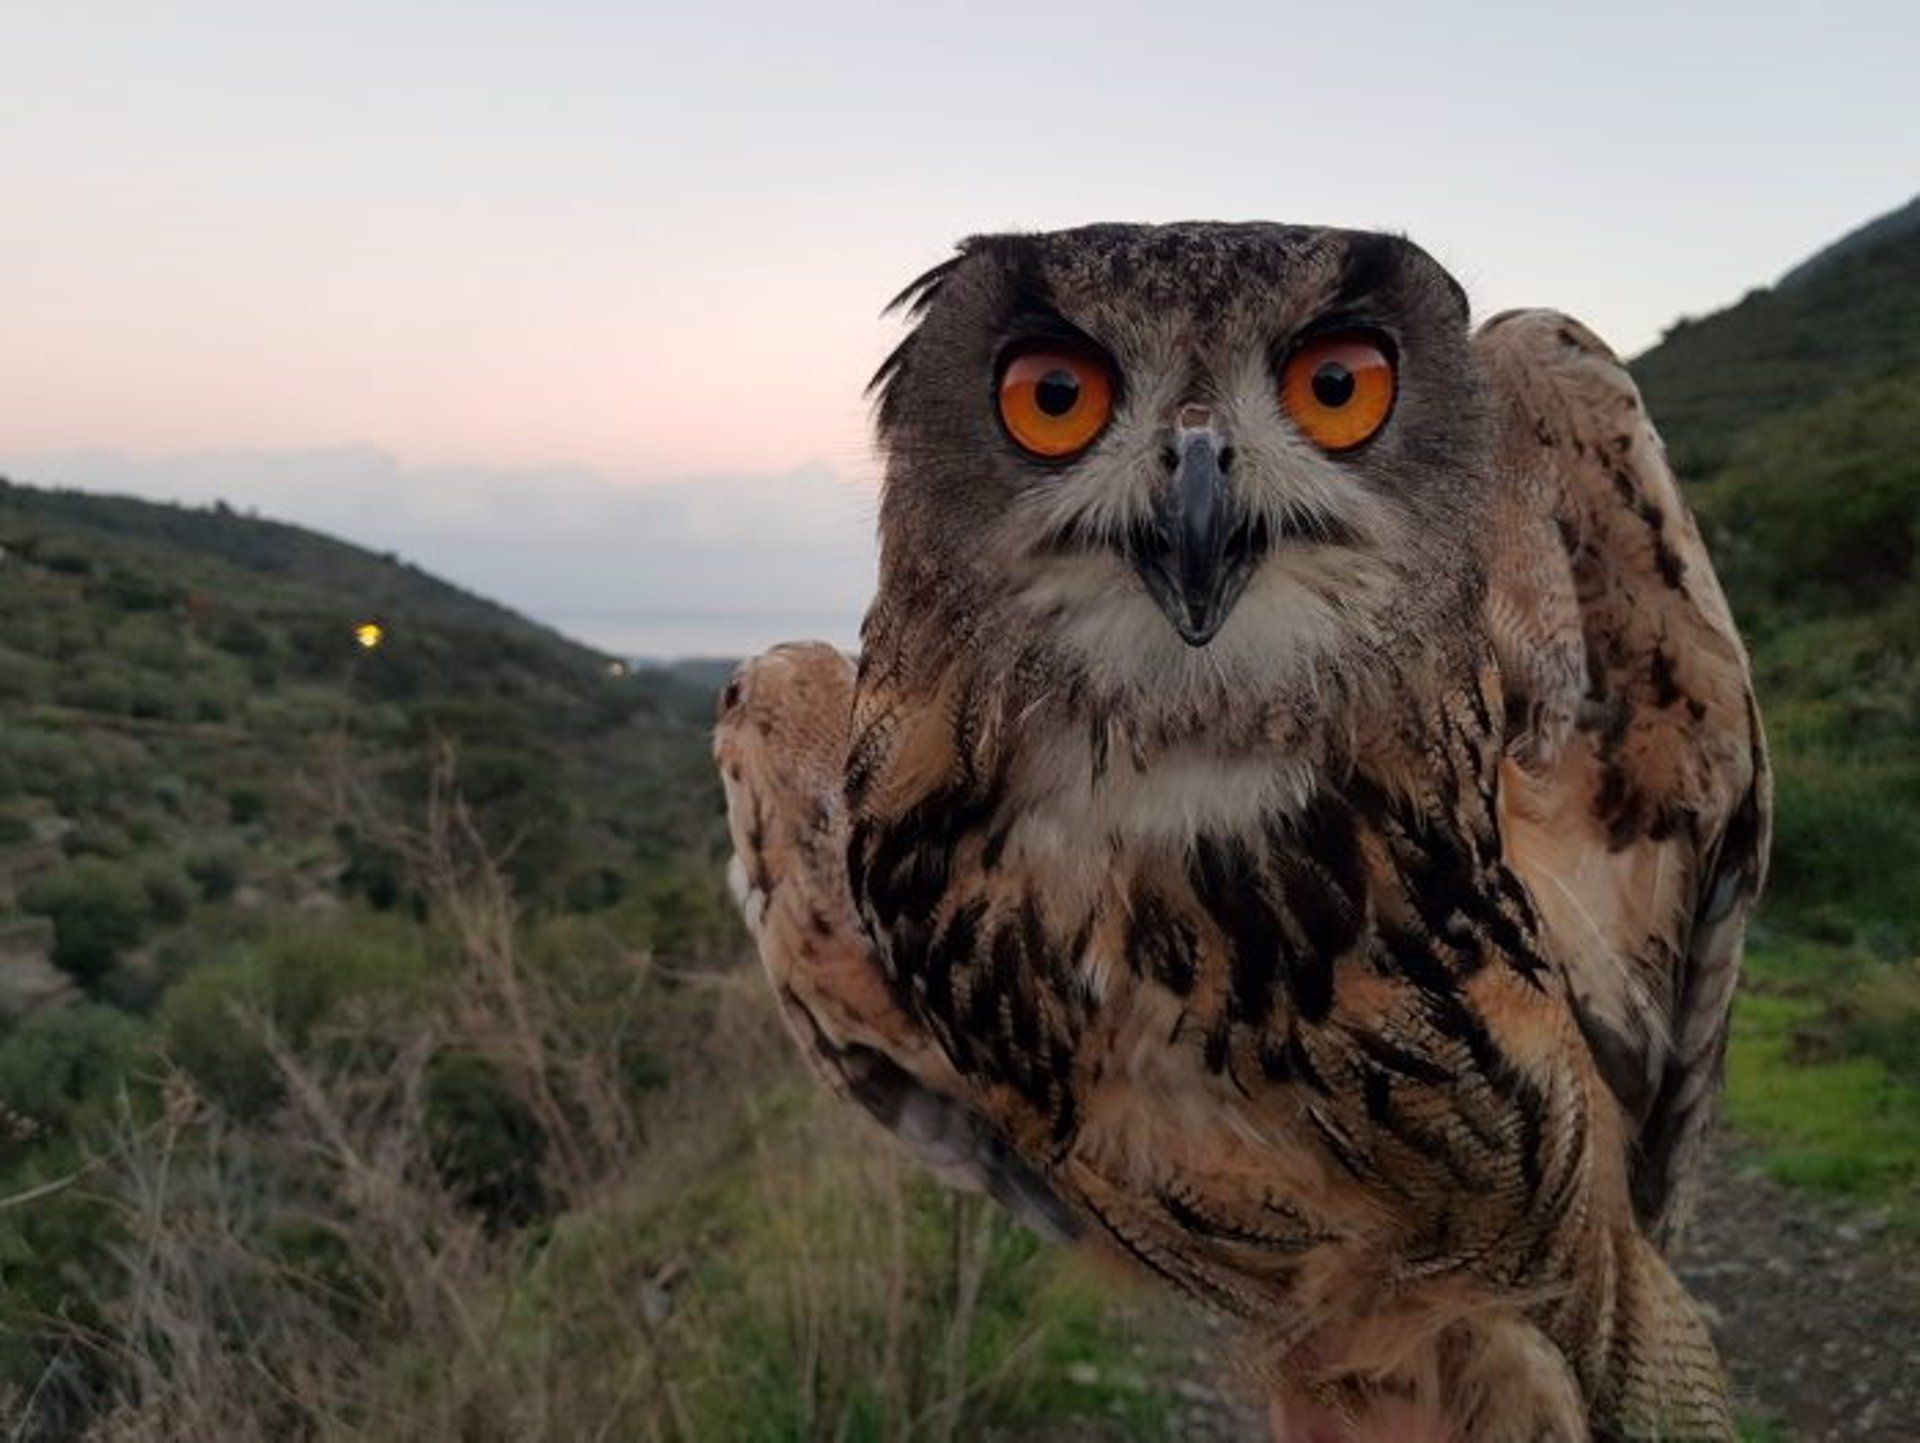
220,546
1904,221
1795,416
184,695
1849,317
229,824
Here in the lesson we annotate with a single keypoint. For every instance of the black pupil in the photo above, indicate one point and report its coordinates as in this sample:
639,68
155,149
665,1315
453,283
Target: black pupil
1332,384
1056,393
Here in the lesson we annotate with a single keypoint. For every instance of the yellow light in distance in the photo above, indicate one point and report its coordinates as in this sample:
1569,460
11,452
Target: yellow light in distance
369,634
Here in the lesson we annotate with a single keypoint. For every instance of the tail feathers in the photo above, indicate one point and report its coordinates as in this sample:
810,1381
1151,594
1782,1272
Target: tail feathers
1664,1377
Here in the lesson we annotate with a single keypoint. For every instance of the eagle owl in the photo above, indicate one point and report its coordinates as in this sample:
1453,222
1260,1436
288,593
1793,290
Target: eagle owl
1293,817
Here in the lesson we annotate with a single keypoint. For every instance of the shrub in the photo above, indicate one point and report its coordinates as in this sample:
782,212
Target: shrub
97,837
488,1146
1846,852
1822,503
169,893
1880,1018
242,637
57,557
126,590
104,687
373,870
172,792
99,911
691,919
294,982
217,872
54,1065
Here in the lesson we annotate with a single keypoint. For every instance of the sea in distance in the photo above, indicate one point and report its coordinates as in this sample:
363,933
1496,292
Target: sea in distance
654,635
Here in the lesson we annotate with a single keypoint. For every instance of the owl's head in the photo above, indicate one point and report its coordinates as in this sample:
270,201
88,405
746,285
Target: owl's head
1184,456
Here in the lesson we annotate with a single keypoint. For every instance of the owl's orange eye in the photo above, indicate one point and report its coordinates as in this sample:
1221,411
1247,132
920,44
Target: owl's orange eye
1055,399
1338,388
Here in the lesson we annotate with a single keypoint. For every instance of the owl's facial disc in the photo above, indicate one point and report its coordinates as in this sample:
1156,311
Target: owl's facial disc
1196,554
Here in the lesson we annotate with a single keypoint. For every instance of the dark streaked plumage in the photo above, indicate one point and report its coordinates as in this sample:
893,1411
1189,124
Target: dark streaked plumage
1362,971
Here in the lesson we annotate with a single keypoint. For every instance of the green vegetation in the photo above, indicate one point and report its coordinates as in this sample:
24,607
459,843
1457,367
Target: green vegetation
1848,318
1822,1072
99,910
1761,1430
401,1081
1794,417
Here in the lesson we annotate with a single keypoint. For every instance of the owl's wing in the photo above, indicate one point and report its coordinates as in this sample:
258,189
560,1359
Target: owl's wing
1636,798
781,745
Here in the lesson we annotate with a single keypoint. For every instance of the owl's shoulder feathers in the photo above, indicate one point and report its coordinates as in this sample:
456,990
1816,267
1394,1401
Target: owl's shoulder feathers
1637,797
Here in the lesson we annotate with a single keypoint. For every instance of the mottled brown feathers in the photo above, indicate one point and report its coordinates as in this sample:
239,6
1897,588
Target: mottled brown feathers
781,747
1363,974
1639,808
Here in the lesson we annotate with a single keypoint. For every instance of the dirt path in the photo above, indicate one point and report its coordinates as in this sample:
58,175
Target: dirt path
1817,1317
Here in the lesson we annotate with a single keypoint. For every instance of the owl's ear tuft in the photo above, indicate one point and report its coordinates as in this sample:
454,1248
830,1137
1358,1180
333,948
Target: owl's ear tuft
919,292
1385,262
912,302
881,386
1374,265
1016,258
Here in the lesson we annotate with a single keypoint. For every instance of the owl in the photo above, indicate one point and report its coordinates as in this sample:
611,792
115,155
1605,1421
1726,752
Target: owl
1292,820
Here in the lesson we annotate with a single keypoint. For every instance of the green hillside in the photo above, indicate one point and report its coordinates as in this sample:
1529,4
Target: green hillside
1845,319
373,1045
185,687
253,559
1794,418
210,798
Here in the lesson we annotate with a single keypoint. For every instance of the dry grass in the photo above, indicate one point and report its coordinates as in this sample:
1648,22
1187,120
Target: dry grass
722,1257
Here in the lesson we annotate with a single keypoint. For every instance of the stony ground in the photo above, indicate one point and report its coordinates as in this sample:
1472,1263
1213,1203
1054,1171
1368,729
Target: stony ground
1817,1313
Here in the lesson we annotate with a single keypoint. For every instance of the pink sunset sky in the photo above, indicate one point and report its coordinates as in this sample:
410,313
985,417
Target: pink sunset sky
574,302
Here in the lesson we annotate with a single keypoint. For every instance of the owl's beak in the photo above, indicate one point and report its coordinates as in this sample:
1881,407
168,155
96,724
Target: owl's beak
1194,557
